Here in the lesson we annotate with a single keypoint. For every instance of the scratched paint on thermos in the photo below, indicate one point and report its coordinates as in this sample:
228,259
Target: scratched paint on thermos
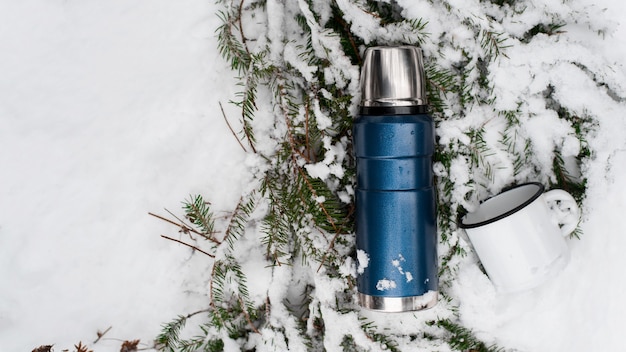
396,233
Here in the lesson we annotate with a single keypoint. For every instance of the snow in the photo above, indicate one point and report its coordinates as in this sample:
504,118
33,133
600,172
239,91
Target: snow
385,284
409,277
363,259
110,110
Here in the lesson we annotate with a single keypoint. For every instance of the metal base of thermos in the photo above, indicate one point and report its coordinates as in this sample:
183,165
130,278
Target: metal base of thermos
399,304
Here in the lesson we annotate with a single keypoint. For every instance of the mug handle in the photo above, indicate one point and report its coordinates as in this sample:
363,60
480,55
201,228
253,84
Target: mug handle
565,208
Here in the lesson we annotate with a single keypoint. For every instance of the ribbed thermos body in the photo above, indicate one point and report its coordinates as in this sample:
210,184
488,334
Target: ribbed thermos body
396,232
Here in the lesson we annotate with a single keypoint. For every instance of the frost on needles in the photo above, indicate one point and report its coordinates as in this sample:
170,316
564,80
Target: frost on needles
282,262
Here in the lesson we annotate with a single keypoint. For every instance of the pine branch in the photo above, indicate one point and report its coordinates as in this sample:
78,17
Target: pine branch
229,46
493,43
183,227
188,245
349,42
251,67
439,82
191,345
544,28
309,196
169,338
199,213
385,341
231,128
238,219
463,339
244,309
228,306
479,151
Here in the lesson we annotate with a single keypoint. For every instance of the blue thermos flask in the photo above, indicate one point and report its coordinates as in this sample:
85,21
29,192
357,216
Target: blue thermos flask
393,140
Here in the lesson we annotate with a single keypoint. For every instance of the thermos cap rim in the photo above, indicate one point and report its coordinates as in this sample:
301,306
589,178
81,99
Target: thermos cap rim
393,110
394,102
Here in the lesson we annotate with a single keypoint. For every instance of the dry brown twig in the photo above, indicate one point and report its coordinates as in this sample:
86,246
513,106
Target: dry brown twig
102,333
183,228
188,245
186,229
231,128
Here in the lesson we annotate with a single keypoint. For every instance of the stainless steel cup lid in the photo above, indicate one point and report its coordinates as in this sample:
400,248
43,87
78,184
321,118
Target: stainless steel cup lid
393,76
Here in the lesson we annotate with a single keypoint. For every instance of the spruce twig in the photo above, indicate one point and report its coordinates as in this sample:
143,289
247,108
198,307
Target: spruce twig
183,227
245,313
188,245
177,218
463,339
303,175
243,36
231,128
199,213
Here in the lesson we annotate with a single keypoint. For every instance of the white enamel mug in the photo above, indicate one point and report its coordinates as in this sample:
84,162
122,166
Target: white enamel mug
519,235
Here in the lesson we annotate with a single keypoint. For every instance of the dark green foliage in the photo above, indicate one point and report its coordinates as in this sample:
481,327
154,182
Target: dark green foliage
250,67
478,152
239,219
169,338
199,213
295,203
229,45
389,12
583,126
544,28
462,339
230,307
349,42
493,43
503,2
385,341
440,82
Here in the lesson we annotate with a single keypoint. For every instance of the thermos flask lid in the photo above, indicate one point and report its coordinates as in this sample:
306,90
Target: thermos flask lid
393,76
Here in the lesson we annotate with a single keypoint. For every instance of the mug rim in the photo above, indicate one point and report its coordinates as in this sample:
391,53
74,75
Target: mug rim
509,212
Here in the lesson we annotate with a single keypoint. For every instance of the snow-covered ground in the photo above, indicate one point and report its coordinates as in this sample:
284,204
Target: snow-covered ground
110,110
